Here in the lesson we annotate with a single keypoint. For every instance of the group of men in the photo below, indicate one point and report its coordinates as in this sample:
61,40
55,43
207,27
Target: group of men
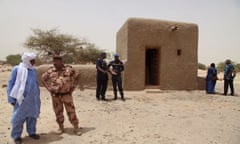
115,68
24,95
229,75
60,80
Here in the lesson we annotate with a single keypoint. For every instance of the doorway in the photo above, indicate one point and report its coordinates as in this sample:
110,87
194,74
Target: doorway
152,66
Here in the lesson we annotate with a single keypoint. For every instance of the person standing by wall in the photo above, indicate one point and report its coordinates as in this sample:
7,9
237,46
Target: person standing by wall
102,77
61,80
24,95
211,79
229,75
116,67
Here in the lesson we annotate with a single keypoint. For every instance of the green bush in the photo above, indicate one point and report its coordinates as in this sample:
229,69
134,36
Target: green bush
13,59
201,66
88,55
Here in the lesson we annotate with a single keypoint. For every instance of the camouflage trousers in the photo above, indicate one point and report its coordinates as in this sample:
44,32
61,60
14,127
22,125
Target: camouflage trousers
59,102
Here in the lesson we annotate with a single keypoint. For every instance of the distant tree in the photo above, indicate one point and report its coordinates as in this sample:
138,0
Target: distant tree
50,42
13,59
201,66
2,62
220,66
88,54
39,61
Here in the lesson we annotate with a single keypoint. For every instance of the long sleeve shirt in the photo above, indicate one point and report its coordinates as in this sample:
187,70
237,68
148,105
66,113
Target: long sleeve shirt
30,106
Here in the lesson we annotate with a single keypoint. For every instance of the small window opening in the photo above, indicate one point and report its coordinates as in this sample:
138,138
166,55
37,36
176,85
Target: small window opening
179,52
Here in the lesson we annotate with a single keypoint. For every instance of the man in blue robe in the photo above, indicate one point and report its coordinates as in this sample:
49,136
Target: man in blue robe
211,79
24,95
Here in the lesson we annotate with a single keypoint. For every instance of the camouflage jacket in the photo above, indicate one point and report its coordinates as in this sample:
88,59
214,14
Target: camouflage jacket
61,81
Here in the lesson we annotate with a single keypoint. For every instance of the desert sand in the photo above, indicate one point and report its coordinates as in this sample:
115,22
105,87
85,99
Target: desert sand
146,117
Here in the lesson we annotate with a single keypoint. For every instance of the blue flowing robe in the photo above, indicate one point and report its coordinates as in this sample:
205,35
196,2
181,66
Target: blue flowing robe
210,82
30,107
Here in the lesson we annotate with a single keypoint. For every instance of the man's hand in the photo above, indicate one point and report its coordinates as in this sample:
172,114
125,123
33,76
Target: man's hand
51,90
113,72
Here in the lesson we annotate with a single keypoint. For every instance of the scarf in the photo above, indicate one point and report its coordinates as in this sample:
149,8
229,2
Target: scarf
22,75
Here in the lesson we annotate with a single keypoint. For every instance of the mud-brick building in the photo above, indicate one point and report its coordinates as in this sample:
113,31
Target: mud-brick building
159,54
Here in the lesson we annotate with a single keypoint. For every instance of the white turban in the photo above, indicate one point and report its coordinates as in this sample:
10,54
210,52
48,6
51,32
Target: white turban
26,58
22,75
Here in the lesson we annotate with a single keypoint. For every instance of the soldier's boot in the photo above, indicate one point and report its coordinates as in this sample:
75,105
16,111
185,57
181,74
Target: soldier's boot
115,95
76,130
60,129
122,96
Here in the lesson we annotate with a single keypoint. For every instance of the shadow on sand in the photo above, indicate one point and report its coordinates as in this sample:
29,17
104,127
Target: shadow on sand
47,138
83,130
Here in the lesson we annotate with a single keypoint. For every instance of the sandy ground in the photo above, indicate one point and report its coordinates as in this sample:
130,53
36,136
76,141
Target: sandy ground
146,117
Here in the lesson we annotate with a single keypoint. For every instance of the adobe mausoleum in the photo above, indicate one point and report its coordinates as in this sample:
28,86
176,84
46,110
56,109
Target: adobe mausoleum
159,54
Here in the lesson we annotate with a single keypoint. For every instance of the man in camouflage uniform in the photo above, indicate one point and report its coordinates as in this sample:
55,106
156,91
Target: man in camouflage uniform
61,80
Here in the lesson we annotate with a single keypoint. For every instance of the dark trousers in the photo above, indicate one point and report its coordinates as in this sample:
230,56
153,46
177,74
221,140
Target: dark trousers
101,87
226,84
117,82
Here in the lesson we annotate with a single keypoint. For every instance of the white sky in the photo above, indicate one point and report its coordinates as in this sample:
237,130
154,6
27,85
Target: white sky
99,21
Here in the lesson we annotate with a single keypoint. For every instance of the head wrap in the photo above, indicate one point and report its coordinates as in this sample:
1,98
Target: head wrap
22,75
26,58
